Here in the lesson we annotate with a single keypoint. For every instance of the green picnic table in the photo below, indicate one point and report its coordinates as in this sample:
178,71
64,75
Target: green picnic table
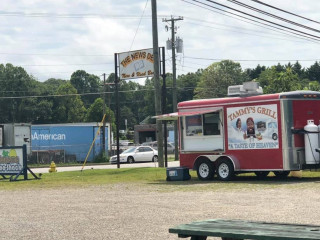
239,229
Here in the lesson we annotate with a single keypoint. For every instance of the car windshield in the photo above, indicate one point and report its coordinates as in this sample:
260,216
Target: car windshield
130,150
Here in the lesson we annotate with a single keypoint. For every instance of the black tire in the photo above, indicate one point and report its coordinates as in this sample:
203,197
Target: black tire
155,158
205,170
281,174
261,174
274,136
225,170
130,159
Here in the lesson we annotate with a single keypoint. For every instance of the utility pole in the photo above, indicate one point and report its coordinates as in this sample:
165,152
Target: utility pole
157,80
104,119
116,82
174,80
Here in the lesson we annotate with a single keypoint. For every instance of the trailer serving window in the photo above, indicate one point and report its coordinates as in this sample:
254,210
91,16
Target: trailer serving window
203,132
211,124
206,124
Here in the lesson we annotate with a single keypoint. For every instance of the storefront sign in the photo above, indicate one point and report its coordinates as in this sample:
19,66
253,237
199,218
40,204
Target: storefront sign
136,64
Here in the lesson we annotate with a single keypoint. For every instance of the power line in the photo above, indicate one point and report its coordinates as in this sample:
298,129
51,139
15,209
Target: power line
237,27
262,19
252,34
58,55
135,34
56,65
252,21
279,9
254,60
272,15
74,94
77,15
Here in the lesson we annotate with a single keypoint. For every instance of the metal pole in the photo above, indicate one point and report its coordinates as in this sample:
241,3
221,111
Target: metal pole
174,89
156,80
164,103
117,107
104,119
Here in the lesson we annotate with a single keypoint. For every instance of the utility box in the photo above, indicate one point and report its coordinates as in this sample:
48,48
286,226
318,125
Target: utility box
16,134
178,174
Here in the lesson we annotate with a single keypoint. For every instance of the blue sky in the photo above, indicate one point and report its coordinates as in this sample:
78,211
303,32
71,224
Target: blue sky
56,38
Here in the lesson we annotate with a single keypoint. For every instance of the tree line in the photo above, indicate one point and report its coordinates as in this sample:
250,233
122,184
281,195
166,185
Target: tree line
80,99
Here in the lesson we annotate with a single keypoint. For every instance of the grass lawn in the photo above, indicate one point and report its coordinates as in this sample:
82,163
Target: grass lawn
156,179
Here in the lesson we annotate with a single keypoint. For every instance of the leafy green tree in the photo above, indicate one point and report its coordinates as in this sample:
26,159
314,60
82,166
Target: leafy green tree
44,112
69,107
280,68
187,84
255,73
313,72
267,76
95,112
127,114
51,85
276,82
313,86
148,105
216,79
16,85
86,83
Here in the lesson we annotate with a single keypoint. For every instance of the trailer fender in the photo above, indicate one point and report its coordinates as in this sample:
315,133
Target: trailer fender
216,158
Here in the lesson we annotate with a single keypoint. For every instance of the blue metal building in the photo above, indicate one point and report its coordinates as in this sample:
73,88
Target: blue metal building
70,142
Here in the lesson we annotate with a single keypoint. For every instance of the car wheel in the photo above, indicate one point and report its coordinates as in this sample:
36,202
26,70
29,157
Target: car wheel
205,170
281,174
130,160
155,158
225,170
261,174
274,136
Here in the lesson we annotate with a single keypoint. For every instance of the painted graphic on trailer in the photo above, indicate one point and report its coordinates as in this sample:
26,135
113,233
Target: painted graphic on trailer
253,127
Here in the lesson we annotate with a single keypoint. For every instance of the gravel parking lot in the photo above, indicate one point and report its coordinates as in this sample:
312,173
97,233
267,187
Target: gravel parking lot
140,211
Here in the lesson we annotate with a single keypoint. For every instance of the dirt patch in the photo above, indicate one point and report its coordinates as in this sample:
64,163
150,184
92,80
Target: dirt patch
137,212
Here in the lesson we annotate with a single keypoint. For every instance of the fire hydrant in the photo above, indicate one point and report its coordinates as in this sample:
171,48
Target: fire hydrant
52,167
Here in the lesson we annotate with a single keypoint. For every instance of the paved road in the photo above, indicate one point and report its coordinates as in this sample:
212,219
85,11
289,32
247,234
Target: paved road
113,166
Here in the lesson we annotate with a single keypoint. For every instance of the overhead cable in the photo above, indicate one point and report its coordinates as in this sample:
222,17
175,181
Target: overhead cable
254,60
272,15
135,34
262,19
252,20
279,9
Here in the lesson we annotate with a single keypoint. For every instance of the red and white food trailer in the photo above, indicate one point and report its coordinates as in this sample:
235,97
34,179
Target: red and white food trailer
262,133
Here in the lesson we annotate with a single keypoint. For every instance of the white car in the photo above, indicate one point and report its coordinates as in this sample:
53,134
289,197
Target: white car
154,145
137,154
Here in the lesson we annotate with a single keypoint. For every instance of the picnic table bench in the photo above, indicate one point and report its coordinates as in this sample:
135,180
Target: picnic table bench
239,229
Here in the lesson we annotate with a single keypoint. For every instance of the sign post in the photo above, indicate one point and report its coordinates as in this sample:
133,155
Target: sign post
131,65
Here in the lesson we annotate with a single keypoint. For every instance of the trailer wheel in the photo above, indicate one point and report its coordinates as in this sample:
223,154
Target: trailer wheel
130,160
205,170
281,174
225,170
261,174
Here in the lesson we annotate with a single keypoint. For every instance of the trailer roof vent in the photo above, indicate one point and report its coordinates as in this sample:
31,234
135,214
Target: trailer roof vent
247,89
